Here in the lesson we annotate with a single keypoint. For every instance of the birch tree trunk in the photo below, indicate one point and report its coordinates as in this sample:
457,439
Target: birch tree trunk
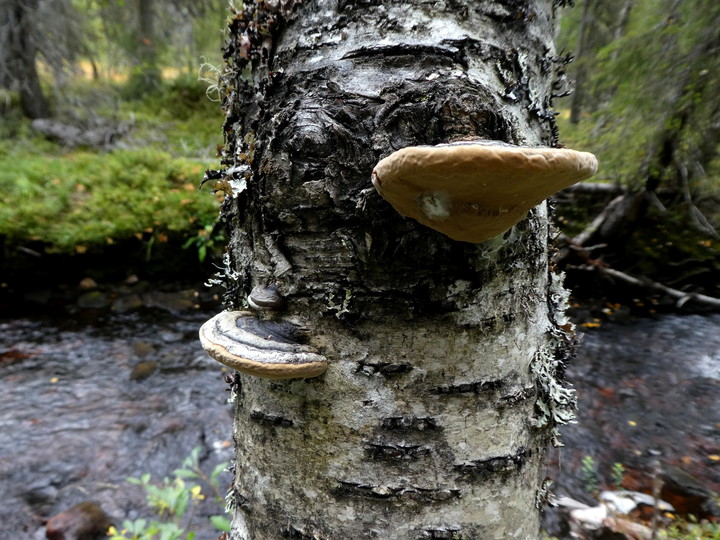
442,392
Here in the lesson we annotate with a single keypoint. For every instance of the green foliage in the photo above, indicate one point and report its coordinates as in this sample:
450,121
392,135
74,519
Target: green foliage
658,74
170,500
617,475
590,476
691,529
82,199
88,199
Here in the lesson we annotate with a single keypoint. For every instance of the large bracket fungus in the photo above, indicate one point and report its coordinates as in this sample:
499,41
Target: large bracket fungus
262,348
475,190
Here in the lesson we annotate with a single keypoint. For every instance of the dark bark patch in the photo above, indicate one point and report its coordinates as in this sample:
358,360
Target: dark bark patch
270,419
501,465
448,533
481,387
297,532
409,423
382,368
407,493
416,51
395,451
517,395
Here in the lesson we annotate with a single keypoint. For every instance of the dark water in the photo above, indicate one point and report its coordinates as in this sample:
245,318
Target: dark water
74,424
647,390
77,417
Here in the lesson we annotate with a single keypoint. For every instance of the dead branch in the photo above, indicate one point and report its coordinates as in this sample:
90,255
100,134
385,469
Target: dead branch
590,188
682,297
101,135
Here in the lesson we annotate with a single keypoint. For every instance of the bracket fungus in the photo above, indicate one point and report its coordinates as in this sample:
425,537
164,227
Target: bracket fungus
266,349
475,190
265,298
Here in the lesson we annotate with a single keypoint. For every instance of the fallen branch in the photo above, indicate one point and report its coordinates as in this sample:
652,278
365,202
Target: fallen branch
591,188
681,296
598,222
101,135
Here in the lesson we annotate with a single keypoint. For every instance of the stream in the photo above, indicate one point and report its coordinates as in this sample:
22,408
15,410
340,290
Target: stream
86,404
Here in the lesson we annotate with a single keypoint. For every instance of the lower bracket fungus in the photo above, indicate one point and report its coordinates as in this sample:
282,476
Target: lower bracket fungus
266,349
475,190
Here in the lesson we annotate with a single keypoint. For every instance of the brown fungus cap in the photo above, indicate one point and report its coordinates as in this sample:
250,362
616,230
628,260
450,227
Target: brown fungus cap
262,348
475,190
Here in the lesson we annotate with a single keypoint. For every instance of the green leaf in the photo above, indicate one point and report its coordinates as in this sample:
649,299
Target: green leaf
221,523
219,469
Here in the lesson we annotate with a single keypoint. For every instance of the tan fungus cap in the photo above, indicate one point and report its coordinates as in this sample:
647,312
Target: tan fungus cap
473,191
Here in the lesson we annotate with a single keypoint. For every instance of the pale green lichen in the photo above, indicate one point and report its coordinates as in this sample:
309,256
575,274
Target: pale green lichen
343,307
556,402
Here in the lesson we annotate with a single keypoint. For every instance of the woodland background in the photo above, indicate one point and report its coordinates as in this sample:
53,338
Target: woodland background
109,115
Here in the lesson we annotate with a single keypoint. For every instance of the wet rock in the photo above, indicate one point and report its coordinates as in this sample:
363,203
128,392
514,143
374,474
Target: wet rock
126,303
143,370
143,349
687,494
85,521
93,300
171,301
87,284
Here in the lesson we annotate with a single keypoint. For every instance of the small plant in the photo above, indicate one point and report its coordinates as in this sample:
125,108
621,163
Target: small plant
617,474
205,240
171,500
691,529
590,476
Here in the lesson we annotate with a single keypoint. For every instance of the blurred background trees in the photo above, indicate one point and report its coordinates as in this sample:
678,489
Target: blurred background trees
59,41
105,131
645,101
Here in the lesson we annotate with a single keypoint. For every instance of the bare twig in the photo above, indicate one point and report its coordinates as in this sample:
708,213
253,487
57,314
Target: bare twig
681,296
657,488
587,233
591,188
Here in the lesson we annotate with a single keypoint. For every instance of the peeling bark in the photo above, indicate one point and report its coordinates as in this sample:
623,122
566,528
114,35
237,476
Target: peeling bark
432,419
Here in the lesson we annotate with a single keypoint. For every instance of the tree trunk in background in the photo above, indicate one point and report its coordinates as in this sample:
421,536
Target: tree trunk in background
581,50
18,68
441,396
147,76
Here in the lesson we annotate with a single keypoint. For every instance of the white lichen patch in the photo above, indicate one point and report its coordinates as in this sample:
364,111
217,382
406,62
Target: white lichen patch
436,205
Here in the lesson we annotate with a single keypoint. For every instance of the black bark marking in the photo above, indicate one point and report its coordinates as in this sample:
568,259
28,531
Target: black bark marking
476,388
517,395
270,419
383,368
442,534
409,423
380,492
297,532
483,468
395,451
408,50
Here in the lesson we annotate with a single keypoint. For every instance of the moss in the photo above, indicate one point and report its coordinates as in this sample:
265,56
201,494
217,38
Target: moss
67,201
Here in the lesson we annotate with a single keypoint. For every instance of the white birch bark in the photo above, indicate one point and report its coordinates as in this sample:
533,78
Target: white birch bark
432,418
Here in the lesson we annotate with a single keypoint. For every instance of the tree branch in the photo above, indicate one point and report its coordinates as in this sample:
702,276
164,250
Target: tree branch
681,296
